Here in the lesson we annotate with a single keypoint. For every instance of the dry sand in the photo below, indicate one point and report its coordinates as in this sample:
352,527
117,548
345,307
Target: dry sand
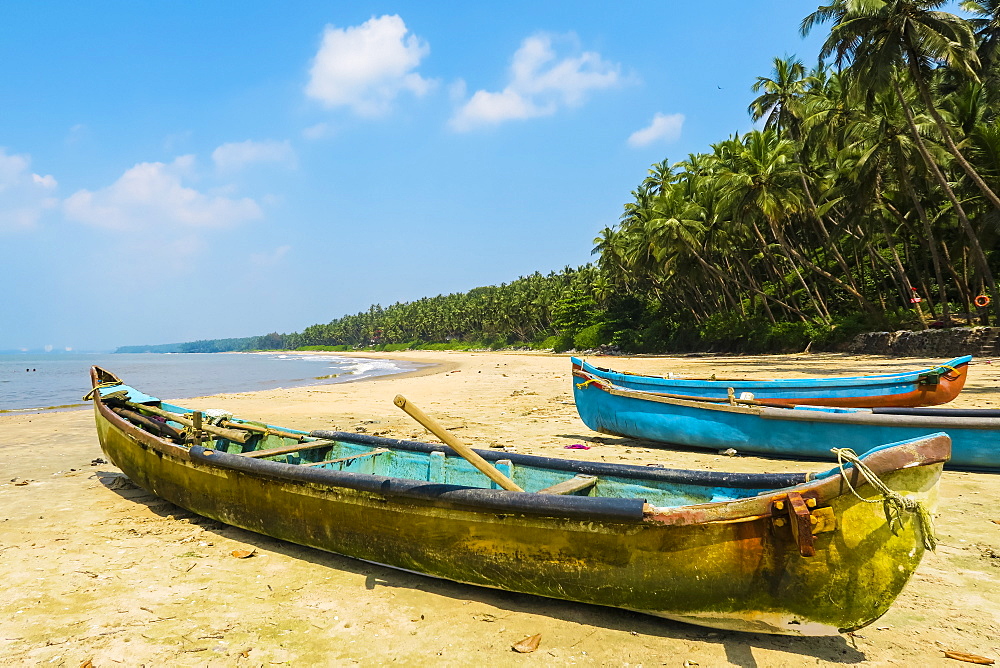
93,568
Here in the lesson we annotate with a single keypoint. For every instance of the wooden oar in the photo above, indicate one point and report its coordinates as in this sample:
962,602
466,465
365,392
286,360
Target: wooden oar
448,439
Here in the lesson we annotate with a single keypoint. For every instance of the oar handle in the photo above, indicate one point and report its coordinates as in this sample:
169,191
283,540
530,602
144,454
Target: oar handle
461,448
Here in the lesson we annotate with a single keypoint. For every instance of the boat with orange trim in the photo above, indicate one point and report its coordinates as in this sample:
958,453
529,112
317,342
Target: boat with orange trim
923,387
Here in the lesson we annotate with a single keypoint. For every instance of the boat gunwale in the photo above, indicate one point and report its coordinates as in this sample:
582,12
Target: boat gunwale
633,471
957,363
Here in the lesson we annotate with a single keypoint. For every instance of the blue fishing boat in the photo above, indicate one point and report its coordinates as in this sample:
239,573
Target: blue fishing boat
796,553
921,387
788,431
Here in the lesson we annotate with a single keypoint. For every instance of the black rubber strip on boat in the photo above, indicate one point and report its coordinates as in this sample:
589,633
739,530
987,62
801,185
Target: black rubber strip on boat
650,473
492,500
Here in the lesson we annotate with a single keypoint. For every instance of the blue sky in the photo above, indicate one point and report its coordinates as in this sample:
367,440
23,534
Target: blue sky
180,171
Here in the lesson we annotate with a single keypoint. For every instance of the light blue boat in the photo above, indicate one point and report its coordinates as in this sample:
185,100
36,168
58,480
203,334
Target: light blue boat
795,431
921,387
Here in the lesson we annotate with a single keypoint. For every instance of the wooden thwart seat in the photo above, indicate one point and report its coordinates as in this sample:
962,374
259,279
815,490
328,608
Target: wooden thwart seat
287,449
370,453
580,482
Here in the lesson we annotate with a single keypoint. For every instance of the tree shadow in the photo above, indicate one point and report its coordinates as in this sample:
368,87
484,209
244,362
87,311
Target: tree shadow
737,645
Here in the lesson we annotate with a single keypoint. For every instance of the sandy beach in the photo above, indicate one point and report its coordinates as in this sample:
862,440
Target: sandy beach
95,569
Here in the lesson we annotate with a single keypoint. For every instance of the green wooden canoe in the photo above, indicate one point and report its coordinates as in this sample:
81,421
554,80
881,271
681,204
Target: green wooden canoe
772,553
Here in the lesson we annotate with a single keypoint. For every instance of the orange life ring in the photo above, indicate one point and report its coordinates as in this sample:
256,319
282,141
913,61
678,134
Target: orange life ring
982,300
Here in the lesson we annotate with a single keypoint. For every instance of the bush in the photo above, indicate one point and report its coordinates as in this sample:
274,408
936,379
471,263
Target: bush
590,337
562,343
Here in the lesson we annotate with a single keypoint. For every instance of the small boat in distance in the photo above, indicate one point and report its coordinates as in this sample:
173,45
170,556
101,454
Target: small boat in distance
794,554
923,387
776,429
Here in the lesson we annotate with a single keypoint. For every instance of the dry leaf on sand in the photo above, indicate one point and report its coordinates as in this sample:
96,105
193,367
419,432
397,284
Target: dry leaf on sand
528,644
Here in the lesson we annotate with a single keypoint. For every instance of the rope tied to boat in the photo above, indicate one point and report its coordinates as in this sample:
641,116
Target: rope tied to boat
595,381
950,370
100,386
892,501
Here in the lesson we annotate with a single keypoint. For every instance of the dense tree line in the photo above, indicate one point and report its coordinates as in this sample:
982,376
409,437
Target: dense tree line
529,309
266,342
867,199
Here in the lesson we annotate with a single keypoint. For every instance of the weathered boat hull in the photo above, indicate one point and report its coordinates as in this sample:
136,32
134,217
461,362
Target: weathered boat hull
922,387
731,564
808,431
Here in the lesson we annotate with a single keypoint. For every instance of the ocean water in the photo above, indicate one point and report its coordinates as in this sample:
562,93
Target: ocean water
30,382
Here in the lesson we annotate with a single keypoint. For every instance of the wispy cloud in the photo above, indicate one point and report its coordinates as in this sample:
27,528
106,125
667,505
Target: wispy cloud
540,83
319,131
24,195
235,156
270,258
366,67
152,196
664,128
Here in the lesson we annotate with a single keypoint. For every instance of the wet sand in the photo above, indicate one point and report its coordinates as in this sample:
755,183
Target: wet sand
97,569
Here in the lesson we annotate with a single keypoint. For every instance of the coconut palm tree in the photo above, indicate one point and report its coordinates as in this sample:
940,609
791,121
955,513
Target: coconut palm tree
780,105
880,38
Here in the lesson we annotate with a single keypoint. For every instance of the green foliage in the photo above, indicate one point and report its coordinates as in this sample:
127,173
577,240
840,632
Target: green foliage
562,342
591,337
574,312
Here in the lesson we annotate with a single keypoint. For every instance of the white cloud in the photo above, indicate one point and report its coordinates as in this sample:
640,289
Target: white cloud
24,195
365,67
539,84
77,133
663,128
233,156
151,196
318,131
270,258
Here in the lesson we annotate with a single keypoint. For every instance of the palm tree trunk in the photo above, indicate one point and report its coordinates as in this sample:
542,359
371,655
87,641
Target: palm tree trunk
715,271
977,250
862,300
931,242
818,221
907,287
825,317
925,95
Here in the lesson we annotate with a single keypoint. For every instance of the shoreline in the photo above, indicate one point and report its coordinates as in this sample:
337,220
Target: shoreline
97,569
425,368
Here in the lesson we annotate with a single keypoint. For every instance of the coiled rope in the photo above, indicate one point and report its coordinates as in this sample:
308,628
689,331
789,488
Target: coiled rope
892,502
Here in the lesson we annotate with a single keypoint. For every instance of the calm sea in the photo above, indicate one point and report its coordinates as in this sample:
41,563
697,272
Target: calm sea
38,381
